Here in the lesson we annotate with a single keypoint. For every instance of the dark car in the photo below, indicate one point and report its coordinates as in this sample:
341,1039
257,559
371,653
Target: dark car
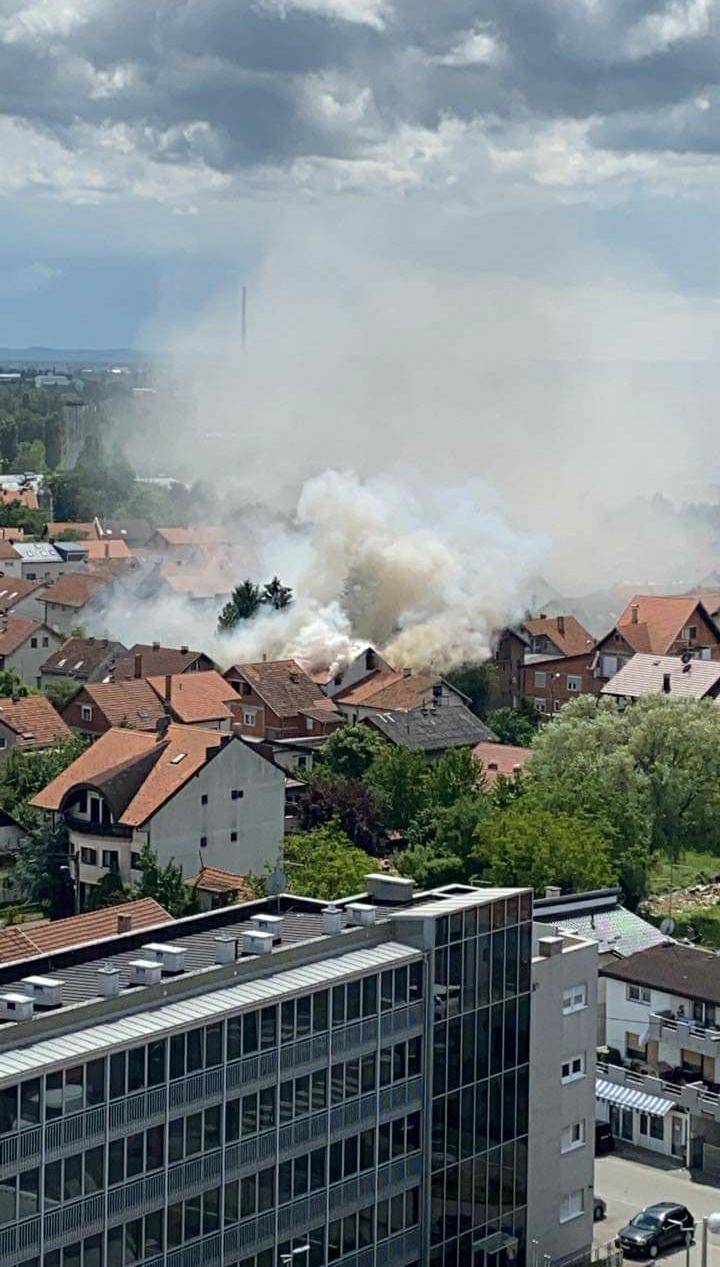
599,1209
604,1139
656,1228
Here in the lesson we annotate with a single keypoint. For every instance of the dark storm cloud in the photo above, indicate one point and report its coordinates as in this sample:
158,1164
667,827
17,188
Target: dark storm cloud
251,74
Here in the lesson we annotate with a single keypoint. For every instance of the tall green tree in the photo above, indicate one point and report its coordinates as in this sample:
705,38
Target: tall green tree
398,777
323,863
515,725
244,603
165,884
524,845
474,679
44,869
350,751
24,774
276,595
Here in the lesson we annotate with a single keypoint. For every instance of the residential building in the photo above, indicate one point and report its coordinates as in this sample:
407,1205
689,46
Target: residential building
557,636
290,754
359,669
203,583
191,793
9,558
135,533
46,937
99,706
107,550
501,759
24,644
198,699
83,659
36,561
26,498
11,834
184,1103
562,1095
677,677
67,528
511,644
185,543
22,598
388,690
30,723
214,888
550,683
76,599
152,660
280,701
430,729
658,625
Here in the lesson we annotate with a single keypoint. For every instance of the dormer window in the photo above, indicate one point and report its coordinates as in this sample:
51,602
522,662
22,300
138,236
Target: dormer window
86,712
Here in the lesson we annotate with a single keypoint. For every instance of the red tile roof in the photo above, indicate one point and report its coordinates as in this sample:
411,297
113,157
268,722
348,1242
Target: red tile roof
500,758
659,621
389,690
569,636
75,589
34,720
22,941
156,660
13,590
16,631
196,535
197,697
215,880
24,497
129,703
111,548
7,551
282,684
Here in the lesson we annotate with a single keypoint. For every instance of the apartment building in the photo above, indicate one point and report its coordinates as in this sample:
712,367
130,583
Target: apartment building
347,1084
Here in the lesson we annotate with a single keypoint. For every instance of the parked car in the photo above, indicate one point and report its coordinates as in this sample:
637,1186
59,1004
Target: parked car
599,1209
604,1139
656,1228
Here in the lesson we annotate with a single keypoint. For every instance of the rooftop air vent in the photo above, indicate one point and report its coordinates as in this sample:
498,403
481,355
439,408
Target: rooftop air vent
550,946
225,948
44,991
15,1007
256,943
389,888
361,913
108,981
170,958
332,919
272,924
144,971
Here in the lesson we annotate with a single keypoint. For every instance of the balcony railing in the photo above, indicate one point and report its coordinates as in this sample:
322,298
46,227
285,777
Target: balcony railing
88,828
693,1096
683,1026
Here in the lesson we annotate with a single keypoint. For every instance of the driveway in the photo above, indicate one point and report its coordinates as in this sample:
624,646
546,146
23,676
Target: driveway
628,1184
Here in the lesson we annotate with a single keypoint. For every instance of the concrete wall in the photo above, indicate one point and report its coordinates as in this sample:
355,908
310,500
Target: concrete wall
27,659
625,1016
554,1037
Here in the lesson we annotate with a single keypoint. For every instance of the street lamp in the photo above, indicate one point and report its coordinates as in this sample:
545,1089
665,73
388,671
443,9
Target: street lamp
709,1224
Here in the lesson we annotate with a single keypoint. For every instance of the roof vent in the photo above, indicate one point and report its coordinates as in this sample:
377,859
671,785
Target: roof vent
272,924
108,981
332,919
256,943
552,890
15,1007
361,913
225,948
389,888
170,958
550,946
144,971
45,991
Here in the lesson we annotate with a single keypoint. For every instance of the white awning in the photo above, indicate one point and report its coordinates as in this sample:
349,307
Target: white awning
631,1098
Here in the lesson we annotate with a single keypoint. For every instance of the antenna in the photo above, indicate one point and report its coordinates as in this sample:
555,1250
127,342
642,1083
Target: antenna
243,318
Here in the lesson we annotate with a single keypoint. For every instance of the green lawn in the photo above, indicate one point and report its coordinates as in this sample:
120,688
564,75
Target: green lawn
695,867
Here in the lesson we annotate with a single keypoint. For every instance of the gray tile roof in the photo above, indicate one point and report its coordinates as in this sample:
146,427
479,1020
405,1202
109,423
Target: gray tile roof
431,729
617,930
645,674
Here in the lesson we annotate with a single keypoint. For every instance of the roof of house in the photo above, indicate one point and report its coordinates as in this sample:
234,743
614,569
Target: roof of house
13,589
501,758
197,697
389,690
155,660
131,703
108,548
281,684
570,637
80,657
429,729
599,916
687,971
7,551
660,619
75,589
22,941
198,582
12,534
25,497
34,720
16,630
131,531
196,535
140,771
323,711
37,552
646,674
215,880
60,529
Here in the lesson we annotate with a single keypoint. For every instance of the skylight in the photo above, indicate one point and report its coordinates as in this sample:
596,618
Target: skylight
178,758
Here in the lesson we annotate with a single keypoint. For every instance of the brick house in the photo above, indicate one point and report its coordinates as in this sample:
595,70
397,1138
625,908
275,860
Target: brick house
658,625
99,706
509,657
281,701
550,683
150,659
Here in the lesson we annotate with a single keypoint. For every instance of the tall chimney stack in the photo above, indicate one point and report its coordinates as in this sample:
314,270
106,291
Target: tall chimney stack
138,665
634,613
561,625
168,687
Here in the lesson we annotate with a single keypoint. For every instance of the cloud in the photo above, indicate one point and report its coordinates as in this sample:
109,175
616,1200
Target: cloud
681,20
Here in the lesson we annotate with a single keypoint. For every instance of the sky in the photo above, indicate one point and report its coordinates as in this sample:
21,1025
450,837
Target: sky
560,155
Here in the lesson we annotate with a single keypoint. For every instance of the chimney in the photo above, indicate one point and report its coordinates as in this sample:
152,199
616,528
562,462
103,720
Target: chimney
552,890
183,650
634,612
138,665
332,919
548,947
407,672
542,616
156,646
107,550
561,625
225,948
667,683
124,923
108,981
168,686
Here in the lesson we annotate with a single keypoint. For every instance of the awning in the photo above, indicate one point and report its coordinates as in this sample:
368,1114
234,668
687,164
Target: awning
631,1098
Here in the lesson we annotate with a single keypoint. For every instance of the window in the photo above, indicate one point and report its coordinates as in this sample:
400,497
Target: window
203,842
573,1068
33,642
86,712
203,799
110,860
249,716
637,994
574,682
236,794
88,856
3,741
689,633
540,706
135,861
46,642
557,705
572,1206
574,999
233,836
540,678
572,1137
633,1046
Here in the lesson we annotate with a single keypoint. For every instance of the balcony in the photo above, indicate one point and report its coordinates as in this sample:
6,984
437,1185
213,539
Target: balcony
102,830
694,1097
675,1031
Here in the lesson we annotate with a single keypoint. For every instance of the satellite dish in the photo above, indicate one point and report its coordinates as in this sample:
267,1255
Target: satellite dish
667,926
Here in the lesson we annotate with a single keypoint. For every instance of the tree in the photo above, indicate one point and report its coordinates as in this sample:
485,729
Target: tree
455,774
24,774
515,725
476,681
60,690
165,884
42,869
109,891
349,751
276,595
398,778
441,840
12,685
323,863
529,846
348,801
243,605
31,456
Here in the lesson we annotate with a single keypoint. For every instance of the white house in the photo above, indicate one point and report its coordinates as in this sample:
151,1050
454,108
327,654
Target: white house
25,645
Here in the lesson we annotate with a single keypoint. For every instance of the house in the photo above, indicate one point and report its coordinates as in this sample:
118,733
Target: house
73,553
390,690
9,559
207,584
83,659
184,543
281,701
11,834
557,636
550,683
22,598
215,888
44,937
663,1017
25,498
430,729
25,645
99,706
359,669
135,533
675,677
59,530
36,561
198,699
500,759
107,550
658,625
511,644
191,793
153,660
30,723
76,599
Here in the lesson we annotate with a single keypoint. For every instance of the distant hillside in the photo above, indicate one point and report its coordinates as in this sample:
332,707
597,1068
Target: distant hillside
10,357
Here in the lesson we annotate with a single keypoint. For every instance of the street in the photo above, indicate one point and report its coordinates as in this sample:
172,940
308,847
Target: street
627,1185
